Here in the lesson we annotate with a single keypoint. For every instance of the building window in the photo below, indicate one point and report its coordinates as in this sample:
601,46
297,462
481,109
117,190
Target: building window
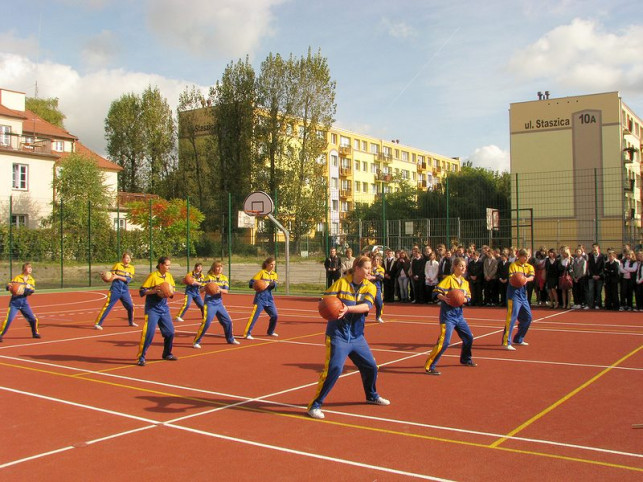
346,185
357,165
364,145
346,164
365,187
365,166
5,138
374,168
358,186
120,224
405,156
375,149
19,220
335,205
20,176
333,161
344,141
345,207
58,146
373,189
356,144
333,139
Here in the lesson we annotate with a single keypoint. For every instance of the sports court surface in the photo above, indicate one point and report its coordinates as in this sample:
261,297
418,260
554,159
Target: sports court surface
76,407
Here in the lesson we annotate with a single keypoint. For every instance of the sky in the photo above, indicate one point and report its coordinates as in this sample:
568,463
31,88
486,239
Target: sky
436,75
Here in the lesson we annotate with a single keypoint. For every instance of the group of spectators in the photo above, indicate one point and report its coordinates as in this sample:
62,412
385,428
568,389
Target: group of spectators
563,280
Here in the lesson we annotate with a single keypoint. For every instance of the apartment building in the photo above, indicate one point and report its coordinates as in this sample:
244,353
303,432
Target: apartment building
593,144
30,150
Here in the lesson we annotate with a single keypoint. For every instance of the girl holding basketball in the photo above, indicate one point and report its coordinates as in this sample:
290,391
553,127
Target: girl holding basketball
157,311
451,316
123,273
19,303
518,308
264,282
345,336
192,291
214,305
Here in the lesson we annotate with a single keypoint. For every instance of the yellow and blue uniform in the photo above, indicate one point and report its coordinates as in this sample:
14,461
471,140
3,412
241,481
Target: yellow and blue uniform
193,293
345,338
263,301
518,307
378,273
119,290
451,318
214,306
157,312
19,303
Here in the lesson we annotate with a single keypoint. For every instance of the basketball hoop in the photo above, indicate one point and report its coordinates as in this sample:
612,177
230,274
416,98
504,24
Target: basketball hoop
255,213
258,203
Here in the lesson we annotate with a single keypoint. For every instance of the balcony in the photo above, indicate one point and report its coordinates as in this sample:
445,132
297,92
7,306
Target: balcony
383,176
382,157
343,215
422,184
629,185
345,194
19,143
345,150
421,166
629,154
344,171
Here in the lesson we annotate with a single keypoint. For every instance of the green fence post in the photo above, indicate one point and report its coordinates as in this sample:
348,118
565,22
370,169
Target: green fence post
230,235
62,267
383,215
89,240
187,235
596,236
150,223
327,222
448,225
10,238
118,222
276,231
517,213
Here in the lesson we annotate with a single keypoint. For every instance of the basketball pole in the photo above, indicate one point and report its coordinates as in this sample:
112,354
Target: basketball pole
287,239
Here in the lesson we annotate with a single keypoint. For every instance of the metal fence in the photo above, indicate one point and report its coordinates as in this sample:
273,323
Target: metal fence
547,209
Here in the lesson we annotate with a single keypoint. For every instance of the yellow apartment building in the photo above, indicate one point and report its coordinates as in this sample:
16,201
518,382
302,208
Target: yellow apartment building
590,145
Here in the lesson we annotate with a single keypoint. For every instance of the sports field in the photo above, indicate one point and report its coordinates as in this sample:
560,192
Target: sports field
76,407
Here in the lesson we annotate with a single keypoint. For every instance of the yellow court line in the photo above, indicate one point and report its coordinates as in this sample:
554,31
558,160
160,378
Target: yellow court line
340,424
564,399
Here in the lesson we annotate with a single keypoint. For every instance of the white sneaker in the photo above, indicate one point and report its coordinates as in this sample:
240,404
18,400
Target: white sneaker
586,307
178,318
98,327
235,342
274,334
250,337
575,307
621,309
523,343
379,401
380,320
133,324
196,345
597,307
316,413
510,348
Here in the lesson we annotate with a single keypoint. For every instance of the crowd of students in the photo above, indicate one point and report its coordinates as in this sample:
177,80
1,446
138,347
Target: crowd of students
563,280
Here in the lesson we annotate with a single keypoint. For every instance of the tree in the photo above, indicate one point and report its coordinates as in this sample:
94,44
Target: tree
141,135
169,223
47,109
81,193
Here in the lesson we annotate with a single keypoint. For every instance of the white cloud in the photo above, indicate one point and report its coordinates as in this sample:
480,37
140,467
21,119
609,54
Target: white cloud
23,46
490,157
213,28
100,50
84,99
582,55
398,29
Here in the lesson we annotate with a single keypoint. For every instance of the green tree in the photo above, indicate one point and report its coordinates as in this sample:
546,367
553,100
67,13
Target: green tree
47,109
140,133
79,187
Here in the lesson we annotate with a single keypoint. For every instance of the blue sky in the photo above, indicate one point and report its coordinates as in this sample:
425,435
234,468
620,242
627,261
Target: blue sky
436,75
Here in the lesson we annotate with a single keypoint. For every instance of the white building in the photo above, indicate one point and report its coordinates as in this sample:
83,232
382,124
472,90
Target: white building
30,149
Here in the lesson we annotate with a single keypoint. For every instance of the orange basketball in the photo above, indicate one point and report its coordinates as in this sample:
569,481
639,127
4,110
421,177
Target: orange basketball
329,307
260,285
212,288
456,298
518,279
107,276
17,289
165,290
189,279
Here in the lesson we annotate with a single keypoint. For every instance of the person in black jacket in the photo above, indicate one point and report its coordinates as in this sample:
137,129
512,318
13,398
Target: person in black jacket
333,265
612,277
475,272
553,270
595,268
390,273
417,275
503,277
444,265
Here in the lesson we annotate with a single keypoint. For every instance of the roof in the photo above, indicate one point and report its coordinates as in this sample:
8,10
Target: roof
34,124
102,163
5,111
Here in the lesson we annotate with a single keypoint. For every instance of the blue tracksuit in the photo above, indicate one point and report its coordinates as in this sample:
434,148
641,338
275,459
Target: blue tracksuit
214,307
119,290
345,338
192,293
451,318
263,301
19,303
157,312
517,306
